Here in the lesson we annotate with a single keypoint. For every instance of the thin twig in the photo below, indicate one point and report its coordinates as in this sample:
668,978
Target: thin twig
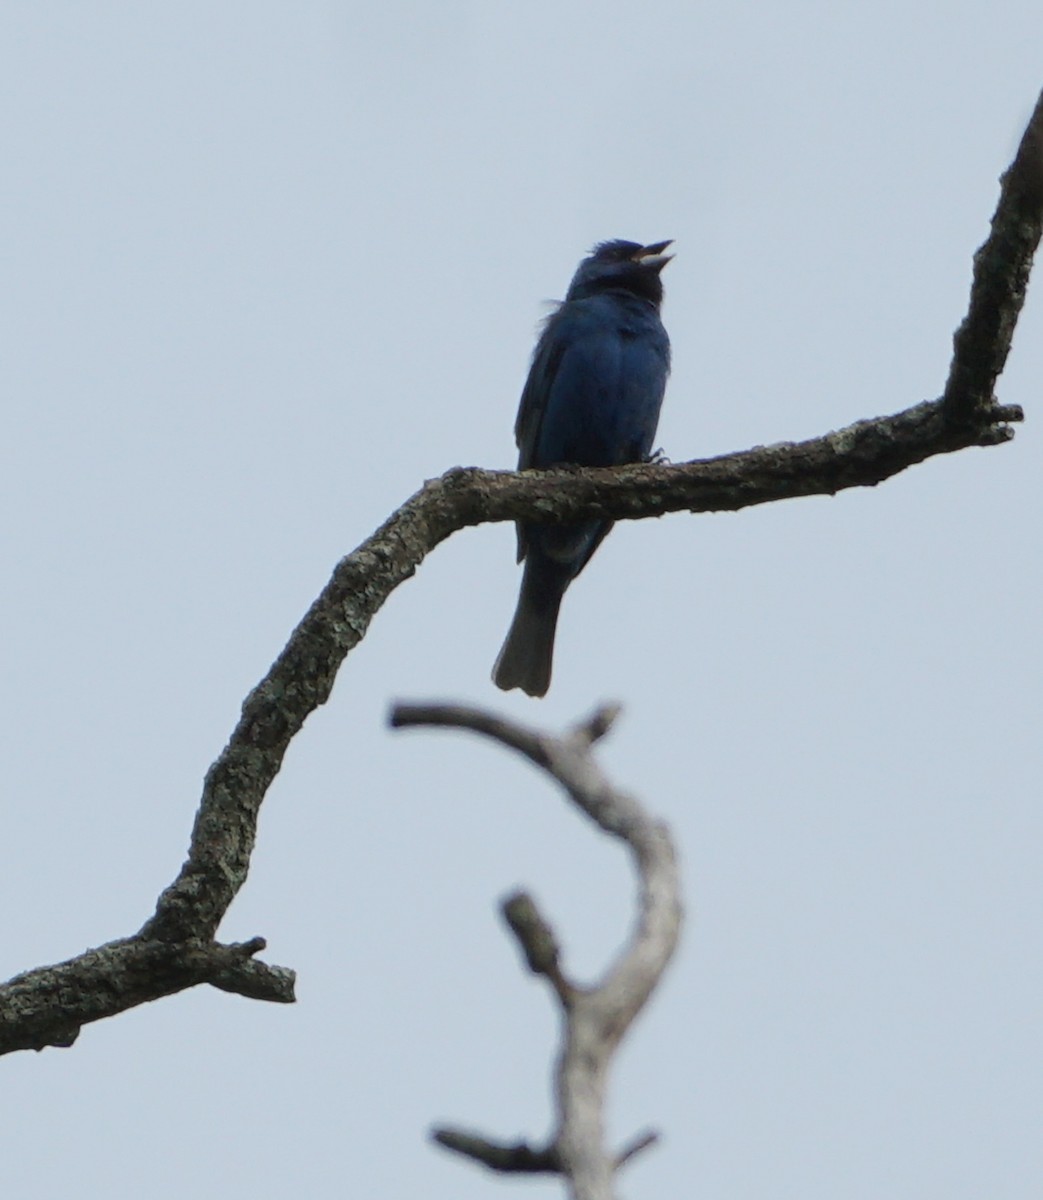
641,1142
518,1158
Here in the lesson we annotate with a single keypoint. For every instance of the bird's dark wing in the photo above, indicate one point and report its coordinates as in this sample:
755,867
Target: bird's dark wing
546,360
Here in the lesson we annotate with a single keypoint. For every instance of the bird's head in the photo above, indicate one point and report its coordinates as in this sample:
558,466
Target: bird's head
623,267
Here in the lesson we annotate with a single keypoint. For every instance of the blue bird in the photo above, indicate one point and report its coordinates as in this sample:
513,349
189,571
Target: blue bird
592,399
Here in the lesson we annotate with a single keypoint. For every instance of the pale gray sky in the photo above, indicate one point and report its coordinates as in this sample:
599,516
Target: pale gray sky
269,266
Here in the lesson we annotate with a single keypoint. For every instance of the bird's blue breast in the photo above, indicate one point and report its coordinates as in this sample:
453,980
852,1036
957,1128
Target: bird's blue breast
600,372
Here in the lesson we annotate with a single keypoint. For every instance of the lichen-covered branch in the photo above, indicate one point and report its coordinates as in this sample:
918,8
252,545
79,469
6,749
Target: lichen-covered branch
48,1006
595,1019
190,910
860,455
1001,276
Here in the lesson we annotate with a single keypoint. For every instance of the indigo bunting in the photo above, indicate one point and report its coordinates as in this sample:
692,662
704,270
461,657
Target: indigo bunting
592,399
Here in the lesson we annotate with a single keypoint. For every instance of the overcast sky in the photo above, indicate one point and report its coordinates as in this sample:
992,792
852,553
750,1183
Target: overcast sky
269,266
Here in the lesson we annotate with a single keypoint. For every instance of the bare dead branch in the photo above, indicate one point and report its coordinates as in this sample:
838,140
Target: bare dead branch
517,1159
642,1142
537,940
1001,276
190,910
595,1018
860,455
48,1006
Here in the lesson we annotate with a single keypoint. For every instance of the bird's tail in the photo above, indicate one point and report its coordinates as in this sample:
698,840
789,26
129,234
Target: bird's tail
525,660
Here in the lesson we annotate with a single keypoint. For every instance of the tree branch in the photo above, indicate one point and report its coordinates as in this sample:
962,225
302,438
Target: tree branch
596,1018
47,1007
860,455
190,910
1001,275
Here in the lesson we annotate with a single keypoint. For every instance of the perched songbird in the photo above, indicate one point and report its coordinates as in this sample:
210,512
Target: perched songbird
592,399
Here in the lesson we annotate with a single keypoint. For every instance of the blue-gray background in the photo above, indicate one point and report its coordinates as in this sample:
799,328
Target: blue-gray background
267,267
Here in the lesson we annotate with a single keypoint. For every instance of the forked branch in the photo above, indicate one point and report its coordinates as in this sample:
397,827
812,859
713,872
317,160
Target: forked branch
594,1019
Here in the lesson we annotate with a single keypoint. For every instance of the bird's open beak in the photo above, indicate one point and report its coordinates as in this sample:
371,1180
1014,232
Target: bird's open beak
653,256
